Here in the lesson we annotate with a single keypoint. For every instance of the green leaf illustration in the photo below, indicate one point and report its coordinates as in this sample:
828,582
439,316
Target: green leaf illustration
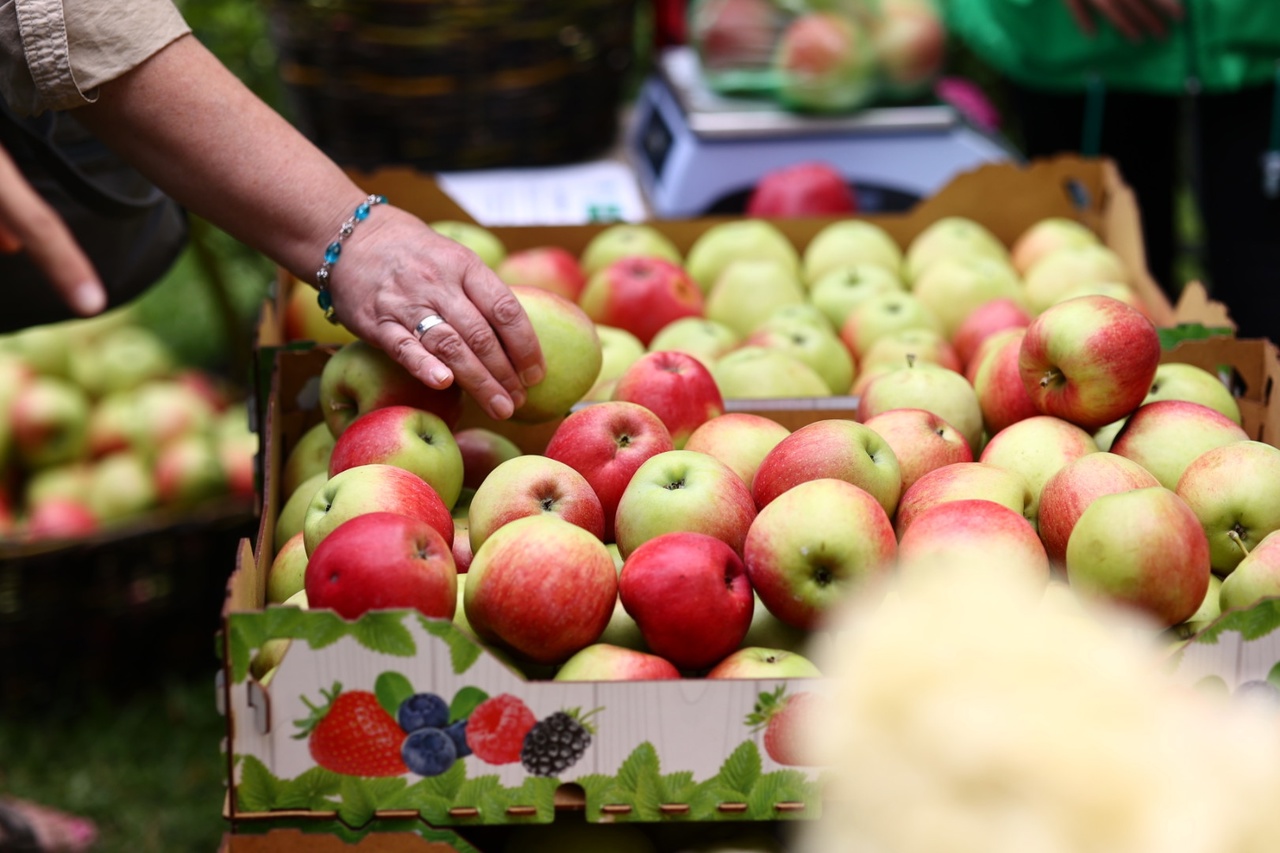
1257,621
462,652
1274,675
464,702
258,789
598,790
536,791
312,790
741,769
704,802
642,763
247,633
384,632
322,628
781,786
362,797
284,621
474,791
392,689
448,783
677,787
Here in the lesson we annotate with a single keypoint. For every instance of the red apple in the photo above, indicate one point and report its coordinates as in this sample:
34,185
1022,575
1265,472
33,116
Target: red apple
605,662
734,35
462,553
641,295
996,377
676,387
552,268
359,378
836,448
408,438
50,419
980,323
1076,485
1089,360
740,440
826,62
689,595
532,485
802,189
542,587
188,470
60,518
1165,436
920,440
374,488
606,443
304,319
382,560
911,42
976,533
962,481
482,450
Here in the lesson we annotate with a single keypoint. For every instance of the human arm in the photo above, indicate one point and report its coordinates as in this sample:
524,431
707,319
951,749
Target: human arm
1135,19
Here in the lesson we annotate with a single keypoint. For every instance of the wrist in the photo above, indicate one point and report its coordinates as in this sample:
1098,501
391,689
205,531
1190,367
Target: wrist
333,252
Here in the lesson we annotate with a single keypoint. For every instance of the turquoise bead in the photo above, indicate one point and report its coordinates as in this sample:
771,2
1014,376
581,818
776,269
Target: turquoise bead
332,252
324,300
362,213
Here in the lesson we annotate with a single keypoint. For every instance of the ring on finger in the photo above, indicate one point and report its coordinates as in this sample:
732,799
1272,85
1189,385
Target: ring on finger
427,323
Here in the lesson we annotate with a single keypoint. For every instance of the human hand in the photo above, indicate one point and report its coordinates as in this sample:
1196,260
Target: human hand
1135,19
395,271
28,222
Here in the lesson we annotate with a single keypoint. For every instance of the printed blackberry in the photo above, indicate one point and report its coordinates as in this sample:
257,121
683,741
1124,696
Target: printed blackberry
556,743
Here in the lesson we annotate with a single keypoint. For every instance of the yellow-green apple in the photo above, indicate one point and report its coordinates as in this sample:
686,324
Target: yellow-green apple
606,443
851,244
754,373
1255,577
359,378
983,321
552,268
806,188
688,593
996,378
1235,492
1107,434
1046,236
738,240
14,374
1075,485
113,423
50,420
921,345
769,632
618,350
683,491
607,662
482,450
819,348
1115,289
972,535
705,340
833,448
1210,608
814,546
288,570
541,587
1167,435
122,359
626,240
641,294
839,290
1178,381
911,42
293,512
304,319
69,480
382,560
122,486
825,62
761,663
570,349
266,661
1089,360
307,457
59,518
188,470
1070,266
882,314
487,245
740,440
747,290
734,35
920,385
869,374
1037,448
676,387
951,288
962,481
532,485
373,488
1143,549
166,409
45,348
237,446
622,629
949,237
920,440
408,438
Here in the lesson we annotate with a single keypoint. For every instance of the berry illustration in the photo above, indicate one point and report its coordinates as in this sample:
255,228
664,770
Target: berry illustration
458,731
496,729
351,734
784,720
429,752
423,711
556,743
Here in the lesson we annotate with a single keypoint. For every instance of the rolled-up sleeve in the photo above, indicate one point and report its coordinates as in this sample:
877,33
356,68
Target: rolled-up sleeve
54,54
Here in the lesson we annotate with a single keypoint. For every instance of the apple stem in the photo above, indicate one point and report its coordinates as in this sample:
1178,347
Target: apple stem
911,359
1051,377
1234,535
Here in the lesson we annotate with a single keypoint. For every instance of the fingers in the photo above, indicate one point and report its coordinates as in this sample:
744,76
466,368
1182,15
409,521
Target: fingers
506,317
468,347
28,222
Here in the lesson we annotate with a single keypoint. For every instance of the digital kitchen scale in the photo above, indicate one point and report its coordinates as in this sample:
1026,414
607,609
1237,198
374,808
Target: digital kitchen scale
695,152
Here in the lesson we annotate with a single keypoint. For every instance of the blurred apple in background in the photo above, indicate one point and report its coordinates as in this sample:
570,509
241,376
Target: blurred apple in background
1076,485
1166,436
50,418
407,438
910,41
830,448
373,488
705,340
850,243
920,346
359,378
745,292
676,387
920,440
740,440
734,35
952,288
950,237
1047,280
532,485
475,237
826,63
755,373
1235,492
984,321
122,486
552,268
626,240
641,294
816,346
883,314
304,319
188,471
802,189
605,662
841,289
920,385
750,239
59,518
1046,236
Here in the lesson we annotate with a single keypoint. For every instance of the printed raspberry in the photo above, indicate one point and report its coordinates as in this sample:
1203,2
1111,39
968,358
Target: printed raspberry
556,743
496,729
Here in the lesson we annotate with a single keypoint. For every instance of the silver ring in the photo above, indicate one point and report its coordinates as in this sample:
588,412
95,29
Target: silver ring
427,323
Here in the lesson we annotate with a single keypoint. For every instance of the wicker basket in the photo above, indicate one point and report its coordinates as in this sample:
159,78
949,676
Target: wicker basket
443,85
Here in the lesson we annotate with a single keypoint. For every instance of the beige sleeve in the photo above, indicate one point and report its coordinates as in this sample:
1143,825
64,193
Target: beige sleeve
55,53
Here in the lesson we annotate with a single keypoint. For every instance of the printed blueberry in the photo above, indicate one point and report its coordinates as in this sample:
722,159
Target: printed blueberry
458,731
422,711
428,752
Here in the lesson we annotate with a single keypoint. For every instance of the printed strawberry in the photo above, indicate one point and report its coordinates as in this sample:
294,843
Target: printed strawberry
352,734
496,729
785,720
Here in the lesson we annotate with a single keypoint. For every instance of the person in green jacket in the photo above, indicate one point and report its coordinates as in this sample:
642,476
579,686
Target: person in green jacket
1119,78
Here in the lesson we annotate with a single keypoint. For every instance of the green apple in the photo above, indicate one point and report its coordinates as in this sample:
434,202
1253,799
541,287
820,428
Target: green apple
1257,576
801,312
308,456
1235,492
266,661
571,349
626,240
287,573
850,243
1178,381
739,240
883,314
704,339
1210,609
45,348
838,291
478,239
1045,236
949,237
952,288
120,360
819,349
762,662
69,480
618,350
769,632
290,518
765,373
920,385
121,487
622,630
746,292
188,471
1070,266
921,345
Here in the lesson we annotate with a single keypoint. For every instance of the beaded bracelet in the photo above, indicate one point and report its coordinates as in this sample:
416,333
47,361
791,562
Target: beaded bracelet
334,250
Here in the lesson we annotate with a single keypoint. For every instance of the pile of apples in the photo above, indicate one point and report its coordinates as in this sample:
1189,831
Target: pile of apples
102,426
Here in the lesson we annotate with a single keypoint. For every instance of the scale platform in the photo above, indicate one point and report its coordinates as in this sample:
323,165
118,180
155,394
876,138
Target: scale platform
697,153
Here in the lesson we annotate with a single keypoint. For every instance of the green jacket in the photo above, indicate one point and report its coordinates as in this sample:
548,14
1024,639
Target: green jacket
1223,44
